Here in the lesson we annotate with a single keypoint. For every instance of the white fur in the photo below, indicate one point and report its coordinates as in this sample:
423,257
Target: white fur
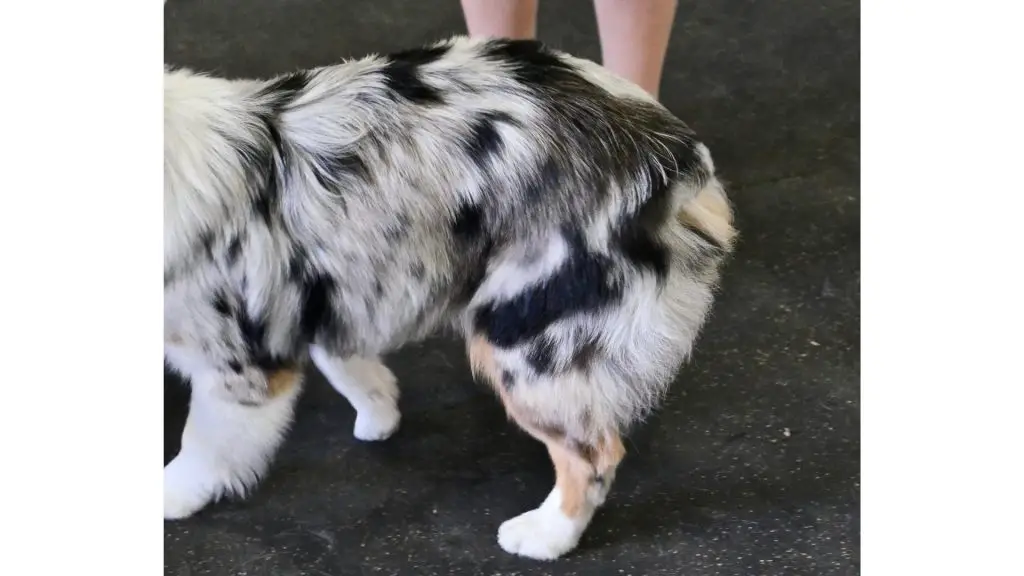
225,449
369,386
544,533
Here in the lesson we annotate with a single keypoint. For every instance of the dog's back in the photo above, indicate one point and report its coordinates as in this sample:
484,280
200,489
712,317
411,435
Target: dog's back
563,221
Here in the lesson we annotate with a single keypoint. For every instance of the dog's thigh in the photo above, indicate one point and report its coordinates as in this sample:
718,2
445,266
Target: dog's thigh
236,422
579,346
368,385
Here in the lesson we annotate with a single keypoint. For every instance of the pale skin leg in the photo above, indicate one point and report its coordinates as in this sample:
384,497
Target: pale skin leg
515,19
634,38
634,33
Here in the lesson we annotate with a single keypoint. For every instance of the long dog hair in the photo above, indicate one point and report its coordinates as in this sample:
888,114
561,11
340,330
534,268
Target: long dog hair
553,214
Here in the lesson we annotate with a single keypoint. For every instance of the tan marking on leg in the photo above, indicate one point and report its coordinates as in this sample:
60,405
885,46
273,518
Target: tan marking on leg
572,477
610,452
481,361
578,468
484,367
282,381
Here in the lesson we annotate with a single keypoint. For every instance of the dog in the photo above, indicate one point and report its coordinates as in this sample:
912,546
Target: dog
551,213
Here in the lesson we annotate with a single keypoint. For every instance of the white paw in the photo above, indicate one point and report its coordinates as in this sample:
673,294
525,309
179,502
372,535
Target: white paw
185,491
378,422
377,415
541,534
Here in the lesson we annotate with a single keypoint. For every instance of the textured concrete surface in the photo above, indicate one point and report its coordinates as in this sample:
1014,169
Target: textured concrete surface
751,467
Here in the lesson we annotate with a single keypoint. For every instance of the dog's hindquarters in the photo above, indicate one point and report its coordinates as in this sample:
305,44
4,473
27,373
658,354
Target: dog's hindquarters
580,341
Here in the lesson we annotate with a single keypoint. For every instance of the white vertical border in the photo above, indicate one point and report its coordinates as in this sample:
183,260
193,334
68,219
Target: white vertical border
942,256
80,236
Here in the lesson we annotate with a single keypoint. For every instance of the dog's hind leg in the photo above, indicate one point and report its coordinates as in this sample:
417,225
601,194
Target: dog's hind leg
368,385
235,424
585,451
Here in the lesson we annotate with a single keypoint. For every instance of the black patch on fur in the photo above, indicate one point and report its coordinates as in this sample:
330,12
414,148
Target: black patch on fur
541,356
264,160
472,276
484,141
378,288
548,178
420,56
401,74
331,170
671,152
262,163
582,284
641,247
270,363
235,366
397,229
264,205
254,333
474,246
638,236
508,380
529,61
317,315
419,271
468,224
221,304
234,249
206,240
584,354
284,89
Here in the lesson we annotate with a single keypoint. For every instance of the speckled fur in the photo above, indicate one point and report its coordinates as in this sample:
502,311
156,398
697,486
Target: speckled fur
540,206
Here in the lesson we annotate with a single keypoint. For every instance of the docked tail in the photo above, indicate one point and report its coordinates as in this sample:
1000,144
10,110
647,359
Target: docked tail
709,212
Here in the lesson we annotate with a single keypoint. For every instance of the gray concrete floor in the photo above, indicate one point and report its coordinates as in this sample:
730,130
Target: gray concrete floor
712,484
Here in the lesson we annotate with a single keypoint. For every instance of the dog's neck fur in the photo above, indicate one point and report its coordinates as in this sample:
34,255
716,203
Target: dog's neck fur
205,121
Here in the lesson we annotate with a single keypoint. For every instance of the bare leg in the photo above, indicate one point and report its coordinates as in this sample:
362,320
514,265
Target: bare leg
368,385
515,19
634,38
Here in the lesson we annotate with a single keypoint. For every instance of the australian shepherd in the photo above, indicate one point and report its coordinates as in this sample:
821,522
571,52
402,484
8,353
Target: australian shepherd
555,216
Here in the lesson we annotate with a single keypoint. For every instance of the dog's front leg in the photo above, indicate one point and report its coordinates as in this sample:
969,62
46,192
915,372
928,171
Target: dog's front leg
235,424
